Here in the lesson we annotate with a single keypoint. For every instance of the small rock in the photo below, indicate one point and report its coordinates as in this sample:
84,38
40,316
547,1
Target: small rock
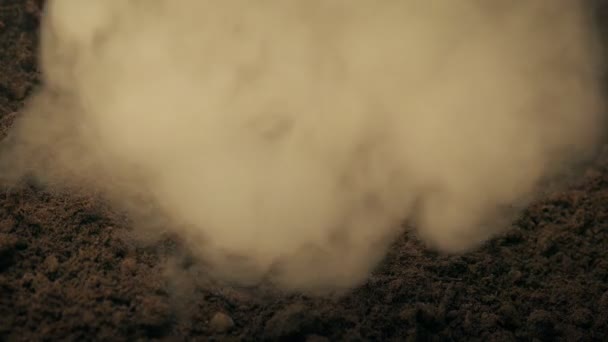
221,323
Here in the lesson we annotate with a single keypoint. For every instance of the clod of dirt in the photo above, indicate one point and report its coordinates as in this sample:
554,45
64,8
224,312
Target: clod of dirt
541,324
294,321
488,320
8,247
155,319
408,315
18,90
128,266
582,317
32,8
603,303
316,338
34,281
221,323
602,309
508,315
52,264
502,336
424,316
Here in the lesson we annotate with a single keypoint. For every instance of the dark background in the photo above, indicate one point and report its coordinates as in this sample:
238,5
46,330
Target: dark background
69,271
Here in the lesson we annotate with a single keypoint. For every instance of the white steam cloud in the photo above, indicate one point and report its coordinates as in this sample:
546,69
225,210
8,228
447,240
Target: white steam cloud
290,139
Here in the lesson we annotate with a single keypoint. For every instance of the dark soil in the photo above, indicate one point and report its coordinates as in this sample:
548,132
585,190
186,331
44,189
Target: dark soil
70,271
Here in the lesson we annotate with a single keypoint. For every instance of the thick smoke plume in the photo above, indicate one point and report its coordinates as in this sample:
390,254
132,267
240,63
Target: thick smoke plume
289,140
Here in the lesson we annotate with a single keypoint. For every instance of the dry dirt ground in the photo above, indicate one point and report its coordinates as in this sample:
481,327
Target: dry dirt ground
69,271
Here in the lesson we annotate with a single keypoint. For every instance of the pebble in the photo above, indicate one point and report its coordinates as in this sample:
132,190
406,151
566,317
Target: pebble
221,323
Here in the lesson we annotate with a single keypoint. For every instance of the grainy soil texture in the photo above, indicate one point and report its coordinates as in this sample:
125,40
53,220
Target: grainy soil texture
70,271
